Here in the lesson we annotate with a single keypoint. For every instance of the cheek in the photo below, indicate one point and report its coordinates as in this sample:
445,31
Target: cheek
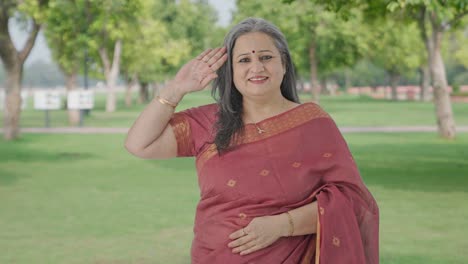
238,74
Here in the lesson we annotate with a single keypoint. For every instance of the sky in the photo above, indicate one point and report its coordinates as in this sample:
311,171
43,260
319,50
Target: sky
42,52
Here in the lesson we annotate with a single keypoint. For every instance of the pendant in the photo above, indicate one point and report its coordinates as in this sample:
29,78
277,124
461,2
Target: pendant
259,130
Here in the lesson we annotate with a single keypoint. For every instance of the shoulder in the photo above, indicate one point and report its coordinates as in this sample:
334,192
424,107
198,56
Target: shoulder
312,110
202,112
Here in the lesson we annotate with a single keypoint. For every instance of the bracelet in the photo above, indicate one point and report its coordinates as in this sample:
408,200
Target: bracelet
166,102
291,224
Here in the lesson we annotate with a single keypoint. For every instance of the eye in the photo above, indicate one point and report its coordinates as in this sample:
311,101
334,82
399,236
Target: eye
266,57
244,60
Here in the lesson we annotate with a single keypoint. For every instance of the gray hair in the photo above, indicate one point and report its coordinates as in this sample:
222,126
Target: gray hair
229,99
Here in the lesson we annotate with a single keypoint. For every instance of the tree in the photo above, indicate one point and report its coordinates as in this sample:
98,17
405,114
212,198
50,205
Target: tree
396,48
151,52
64,31
435,17
33,13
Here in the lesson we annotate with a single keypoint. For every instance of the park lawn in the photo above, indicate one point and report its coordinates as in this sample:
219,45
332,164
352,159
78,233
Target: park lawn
347,110
83,199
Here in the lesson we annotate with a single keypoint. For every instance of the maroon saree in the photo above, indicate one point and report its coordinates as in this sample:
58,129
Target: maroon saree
300,158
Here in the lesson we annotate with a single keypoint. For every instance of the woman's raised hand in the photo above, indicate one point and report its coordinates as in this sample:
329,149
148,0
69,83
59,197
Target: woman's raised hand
199,72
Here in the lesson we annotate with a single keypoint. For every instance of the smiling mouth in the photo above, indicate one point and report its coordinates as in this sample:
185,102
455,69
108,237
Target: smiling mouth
258,79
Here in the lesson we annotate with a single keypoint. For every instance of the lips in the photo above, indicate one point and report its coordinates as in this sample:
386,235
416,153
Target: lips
258,79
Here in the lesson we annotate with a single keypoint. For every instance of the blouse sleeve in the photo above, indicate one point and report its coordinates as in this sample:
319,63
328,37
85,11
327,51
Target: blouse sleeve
192,129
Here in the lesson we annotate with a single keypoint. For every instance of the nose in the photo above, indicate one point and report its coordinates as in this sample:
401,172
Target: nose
257,66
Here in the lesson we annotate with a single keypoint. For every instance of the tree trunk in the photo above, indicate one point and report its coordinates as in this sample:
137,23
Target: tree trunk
131,83
70,84
323,86
111,72
12,111
394,81
347,79
443,105
425,82
315,87
144,93
13,61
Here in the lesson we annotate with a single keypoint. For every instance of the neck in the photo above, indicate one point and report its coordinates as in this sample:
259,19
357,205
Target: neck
259,109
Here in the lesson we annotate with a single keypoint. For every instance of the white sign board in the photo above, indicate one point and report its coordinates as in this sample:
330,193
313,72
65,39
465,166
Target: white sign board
47,100
24,99
80,99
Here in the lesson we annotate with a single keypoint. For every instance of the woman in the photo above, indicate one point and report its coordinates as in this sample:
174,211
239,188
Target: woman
278,183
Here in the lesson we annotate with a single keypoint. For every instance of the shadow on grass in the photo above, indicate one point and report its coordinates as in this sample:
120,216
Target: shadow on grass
27,155
8,177
19,153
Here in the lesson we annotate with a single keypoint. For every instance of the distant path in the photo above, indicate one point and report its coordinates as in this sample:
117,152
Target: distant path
122,130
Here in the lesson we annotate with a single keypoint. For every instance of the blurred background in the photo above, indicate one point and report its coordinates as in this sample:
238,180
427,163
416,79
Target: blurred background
76,73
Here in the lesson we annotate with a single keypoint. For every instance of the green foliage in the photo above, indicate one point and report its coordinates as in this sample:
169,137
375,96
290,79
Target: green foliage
340,43
35,9
66,34
365,73
396,47
192,27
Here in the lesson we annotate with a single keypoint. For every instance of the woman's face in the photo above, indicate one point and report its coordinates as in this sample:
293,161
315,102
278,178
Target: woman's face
257,65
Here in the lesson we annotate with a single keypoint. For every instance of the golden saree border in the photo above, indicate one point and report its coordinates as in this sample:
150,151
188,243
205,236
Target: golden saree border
309,254
271,126
317,243
183,134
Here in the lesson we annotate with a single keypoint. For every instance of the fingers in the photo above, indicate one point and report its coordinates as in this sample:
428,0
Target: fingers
215,66
199,57
206,65
215,55
242,241
251,249
237,234
212,56
243,248
208,57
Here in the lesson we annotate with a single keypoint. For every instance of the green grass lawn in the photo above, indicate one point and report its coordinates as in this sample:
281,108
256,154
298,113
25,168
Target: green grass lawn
83,199
346,110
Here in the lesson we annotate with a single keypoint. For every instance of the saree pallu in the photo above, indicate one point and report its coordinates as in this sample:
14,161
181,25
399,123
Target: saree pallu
298,158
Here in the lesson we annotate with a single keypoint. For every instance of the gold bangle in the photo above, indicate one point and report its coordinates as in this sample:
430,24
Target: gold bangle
291,224
166,102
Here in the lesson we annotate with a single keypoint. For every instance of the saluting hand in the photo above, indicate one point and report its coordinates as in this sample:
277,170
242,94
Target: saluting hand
199,72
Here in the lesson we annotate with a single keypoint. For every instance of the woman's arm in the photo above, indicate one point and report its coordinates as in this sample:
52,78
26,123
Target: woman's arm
150,136
302,221
263,231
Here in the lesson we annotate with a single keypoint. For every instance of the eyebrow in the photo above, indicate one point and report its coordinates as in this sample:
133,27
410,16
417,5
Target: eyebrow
250,52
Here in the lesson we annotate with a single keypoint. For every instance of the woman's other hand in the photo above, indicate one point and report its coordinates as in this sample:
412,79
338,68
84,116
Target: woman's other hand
260,233
199,72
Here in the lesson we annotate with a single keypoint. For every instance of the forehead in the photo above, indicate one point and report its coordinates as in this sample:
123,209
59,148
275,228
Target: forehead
254,41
